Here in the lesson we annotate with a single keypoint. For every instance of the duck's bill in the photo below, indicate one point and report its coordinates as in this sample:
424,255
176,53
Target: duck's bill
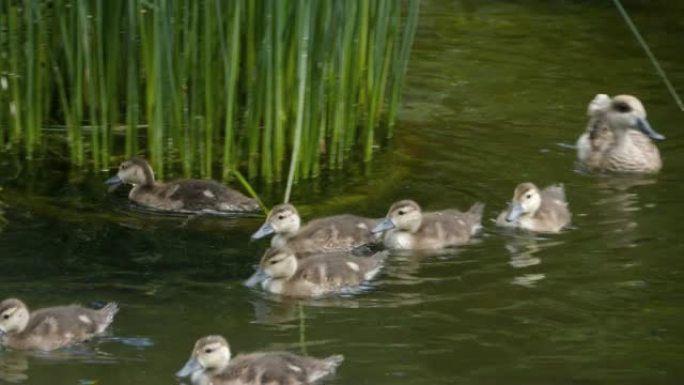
256,278
2,332
189,368
385,225
514,212
264,230
645,127
114,181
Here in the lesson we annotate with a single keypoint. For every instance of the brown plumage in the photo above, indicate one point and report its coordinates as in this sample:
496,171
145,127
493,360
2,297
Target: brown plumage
211,363
186,195
337,233
537,210
618,138
51,328
408,228
280,272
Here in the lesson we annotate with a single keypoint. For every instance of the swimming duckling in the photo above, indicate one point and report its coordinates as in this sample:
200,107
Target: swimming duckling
618,137
53,327
280,272
535,210
186,195
211,364
407,228
337,233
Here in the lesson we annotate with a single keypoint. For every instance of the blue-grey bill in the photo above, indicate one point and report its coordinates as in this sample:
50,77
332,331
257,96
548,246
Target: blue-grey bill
264,230
385,225
645,127
514,212
114,181
256,278
189,368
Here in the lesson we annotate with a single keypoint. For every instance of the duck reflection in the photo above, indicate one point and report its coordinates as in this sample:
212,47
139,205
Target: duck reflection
617,206
523,249
13,367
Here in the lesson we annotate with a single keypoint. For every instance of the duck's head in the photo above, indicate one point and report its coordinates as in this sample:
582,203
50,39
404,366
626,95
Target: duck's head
626,112
211,353
278,263
135,171
14,316
403,215
526,201
283,219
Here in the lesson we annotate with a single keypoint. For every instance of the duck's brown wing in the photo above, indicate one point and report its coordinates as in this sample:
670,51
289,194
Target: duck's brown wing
266,368
337,233
197,194
336,270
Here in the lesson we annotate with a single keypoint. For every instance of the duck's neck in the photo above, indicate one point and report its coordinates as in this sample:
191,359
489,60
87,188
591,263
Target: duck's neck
148,174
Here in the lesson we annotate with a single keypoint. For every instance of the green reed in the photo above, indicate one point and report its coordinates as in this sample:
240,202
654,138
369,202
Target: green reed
264,86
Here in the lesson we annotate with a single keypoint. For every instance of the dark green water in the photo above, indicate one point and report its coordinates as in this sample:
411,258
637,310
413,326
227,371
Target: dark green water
496,94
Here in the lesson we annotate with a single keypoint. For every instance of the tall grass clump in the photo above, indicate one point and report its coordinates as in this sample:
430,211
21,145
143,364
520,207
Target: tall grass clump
267,86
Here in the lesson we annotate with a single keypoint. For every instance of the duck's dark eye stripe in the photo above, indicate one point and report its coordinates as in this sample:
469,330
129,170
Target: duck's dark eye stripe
622,107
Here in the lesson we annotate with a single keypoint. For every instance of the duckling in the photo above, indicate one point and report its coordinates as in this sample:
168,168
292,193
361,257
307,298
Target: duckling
406,227
53,327
280,272
535,210
337,233
618,137
211,363
186,195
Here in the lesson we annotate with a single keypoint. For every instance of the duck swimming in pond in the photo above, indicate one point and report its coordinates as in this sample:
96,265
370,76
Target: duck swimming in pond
537,210
280,272
186,195
53,327
406,227
337,233
618,137
211,364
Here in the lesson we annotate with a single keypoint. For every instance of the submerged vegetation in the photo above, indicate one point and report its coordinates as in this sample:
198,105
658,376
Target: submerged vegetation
205,83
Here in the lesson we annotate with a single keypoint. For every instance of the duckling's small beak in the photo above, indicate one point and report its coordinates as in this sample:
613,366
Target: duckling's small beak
256,278
189,368
2,332
385,225
263,231
645,127
114,181
515,212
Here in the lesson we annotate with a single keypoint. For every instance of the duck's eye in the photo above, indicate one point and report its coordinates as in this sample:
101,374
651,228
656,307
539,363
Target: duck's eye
281,216
623,107
208,350
402,212
528,196
124,166
6,316
272,262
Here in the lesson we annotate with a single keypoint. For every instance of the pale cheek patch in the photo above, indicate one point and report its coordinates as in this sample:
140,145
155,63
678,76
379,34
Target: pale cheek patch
353,266
208,194
84,318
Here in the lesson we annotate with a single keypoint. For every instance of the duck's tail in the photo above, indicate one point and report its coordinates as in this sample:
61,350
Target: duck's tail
108,312
474,217
327,366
